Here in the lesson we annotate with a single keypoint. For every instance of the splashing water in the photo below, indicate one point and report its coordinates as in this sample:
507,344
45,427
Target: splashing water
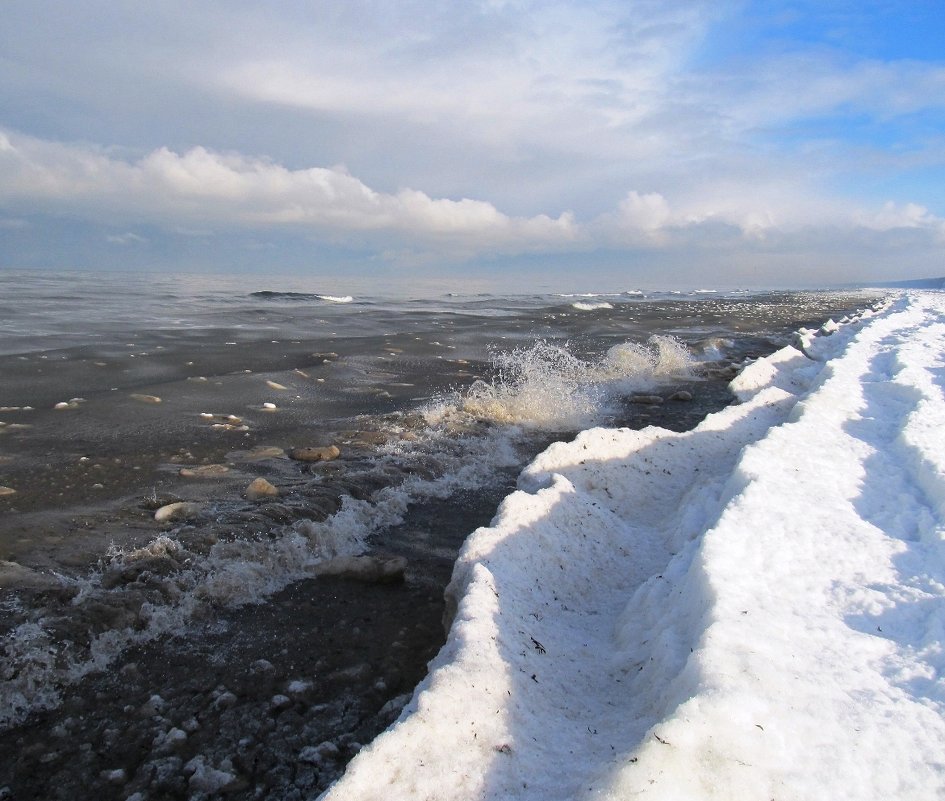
140,594
546,386
663,357
158,589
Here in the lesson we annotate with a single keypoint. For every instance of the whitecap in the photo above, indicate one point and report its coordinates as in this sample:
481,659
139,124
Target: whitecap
168,583
546,386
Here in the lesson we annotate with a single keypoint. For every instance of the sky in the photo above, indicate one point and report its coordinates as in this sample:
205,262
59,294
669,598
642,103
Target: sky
628,143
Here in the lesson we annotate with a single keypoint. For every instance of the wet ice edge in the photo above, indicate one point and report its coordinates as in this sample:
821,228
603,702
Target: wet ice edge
754,608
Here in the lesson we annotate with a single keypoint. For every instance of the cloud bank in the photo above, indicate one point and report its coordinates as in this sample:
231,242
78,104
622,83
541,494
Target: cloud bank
228,189
204,187
467,131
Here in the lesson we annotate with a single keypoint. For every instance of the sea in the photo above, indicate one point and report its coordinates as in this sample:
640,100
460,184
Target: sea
229,505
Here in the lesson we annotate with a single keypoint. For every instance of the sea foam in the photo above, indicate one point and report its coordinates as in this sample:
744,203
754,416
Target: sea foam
546,386
139,594
336,298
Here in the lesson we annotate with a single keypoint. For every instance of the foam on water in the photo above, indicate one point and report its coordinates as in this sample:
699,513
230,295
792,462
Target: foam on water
140,594
546,386
464,440
269,294
591,305
662,358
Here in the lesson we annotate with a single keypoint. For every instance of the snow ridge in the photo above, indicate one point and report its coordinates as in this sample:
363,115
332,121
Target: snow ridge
752,609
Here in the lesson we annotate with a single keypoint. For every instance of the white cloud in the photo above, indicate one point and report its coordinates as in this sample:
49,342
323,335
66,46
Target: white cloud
893,215
530,108
202,190
559,76
201,187
127,238
645,212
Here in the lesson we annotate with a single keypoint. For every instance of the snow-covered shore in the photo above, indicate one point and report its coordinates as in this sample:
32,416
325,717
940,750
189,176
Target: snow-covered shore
751,609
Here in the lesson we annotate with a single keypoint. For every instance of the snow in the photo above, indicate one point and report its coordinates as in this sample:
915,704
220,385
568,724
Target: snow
751,609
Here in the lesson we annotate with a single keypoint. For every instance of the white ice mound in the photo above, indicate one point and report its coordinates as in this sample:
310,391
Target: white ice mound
752,609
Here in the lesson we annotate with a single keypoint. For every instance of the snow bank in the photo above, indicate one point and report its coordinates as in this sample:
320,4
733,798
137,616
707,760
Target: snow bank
752,609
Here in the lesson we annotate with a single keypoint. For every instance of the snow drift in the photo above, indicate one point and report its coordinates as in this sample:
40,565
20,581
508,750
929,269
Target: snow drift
751,609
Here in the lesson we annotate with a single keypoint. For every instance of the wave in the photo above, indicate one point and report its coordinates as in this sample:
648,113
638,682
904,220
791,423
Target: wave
137,595
610,589
593,305
546,386
460,442
714,348
589,295
268,294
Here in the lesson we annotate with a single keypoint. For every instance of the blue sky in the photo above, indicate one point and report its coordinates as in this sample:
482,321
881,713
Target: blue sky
630,143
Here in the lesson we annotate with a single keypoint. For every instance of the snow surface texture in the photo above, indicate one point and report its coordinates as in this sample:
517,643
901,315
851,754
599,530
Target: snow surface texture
754,609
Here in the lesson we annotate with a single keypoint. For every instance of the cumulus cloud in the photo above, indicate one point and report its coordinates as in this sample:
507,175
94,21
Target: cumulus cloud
468,127
201,186
209,189
735,213
908,215
648,212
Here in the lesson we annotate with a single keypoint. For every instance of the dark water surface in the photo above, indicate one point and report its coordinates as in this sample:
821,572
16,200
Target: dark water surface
210,655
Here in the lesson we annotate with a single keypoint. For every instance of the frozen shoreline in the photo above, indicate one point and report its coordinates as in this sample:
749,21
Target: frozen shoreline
754,608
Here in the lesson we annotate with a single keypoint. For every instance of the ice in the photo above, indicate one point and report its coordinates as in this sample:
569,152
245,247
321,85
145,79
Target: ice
751,609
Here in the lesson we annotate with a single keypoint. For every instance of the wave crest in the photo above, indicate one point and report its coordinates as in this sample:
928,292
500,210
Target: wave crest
547,386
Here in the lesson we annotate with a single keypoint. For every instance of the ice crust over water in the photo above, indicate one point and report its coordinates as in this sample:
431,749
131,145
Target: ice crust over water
751,609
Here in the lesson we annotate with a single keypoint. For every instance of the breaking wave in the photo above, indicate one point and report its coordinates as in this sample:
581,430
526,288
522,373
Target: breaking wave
161,588
546,386
457,443
268,294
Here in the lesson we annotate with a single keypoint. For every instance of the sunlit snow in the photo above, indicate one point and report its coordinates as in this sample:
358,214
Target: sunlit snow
751,609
